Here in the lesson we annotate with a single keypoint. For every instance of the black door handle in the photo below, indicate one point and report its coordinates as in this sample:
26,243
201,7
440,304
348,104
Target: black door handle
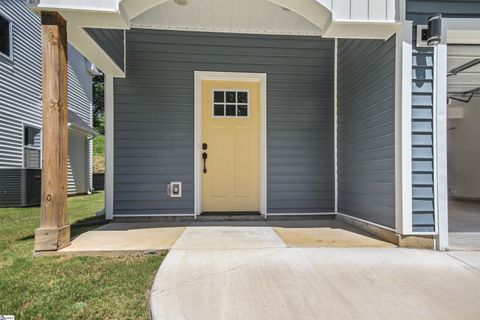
204,157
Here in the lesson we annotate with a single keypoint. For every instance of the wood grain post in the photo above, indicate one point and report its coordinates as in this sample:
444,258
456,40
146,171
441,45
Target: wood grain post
54,233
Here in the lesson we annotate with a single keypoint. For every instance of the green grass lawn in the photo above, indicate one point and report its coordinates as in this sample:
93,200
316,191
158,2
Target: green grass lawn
69,287
99,145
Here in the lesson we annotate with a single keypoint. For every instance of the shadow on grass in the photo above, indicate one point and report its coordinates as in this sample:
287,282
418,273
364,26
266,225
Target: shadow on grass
78,227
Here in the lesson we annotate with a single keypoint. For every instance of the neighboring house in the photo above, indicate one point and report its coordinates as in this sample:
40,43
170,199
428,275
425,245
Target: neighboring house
292,107
21,111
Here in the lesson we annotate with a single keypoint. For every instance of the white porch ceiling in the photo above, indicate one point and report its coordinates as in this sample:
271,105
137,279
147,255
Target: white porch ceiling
246,16
468,79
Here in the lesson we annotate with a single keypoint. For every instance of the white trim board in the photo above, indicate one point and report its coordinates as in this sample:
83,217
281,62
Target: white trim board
403,129
335,122
109,146
200,76
302,214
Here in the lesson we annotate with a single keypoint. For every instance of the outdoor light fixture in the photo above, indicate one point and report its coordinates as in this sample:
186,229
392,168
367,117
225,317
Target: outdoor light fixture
434,30
181,2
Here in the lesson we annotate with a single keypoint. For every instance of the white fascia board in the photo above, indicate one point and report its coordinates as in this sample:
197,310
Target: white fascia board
84,131
403,129
358,29
74,5
90,49
88,14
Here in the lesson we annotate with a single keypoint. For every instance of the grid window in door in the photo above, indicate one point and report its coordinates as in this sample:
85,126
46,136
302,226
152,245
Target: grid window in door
230,103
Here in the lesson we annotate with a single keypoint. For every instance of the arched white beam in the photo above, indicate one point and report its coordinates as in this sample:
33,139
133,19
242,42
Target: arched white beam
312,10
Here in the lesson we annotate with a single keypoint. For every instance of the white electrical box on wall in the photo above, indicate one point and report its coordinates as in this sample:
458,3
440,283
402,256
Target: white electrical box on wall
174,189
422,36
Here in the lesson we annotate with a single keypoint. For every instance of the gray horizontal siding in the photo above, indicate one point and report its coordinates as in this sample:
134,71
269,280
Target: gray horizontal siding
419,10
10,187
20,83
154,117
423,217
366,130
19,187
112,42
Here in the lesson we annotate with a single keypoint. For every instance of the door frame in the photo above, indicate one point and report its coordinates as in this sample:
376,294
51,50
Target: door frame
200,76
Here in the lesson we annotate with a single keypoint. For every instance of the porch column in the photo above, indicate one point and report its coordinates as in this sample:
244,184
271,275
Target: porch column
54,233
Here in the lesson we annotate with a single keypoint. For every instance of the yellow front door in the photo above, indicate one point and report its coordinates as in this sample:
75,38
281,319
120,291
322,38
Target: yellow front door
230,146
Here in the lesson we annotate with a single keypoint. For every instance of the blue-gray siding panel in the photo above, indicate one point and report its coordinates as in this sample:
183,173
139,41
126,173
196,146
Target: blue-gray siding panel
418,11
366,130
112,42
422,141
154,117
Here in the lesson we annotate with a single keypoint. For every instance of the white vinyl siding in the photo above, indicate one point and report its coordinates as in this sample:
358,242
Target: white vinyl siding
21,85
77,164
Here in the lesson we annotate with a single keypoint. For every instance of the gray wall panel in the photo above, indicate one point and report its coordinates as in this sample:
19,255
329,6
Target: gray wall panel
112,42
366,130
154,117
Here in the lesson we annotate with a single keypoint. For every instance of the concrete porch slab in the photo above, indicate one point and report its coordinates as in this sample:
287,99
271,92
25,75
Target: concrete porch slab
118,238
229,235
123,238
325,233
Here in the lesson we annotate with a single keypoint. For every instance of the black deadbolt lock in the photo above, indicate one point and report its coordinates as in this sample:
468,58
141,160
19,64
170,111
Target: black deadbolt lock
204,146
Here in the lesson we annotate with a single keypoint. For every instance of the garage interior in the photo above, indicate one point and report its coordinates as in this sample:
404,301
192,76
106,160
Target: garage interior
464,146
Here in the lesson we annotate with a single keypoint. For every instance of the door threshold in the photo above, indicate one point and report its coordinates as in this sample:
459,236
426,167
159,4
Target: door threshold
233,213
230,216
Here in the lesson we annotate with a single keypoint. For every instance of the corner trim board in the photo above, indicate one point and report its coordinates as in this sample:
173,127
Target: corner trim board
109,146
403,129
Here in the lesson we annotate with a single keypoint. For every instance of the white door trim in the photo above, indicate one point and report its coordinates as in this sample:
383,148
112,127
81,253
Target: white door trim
232,76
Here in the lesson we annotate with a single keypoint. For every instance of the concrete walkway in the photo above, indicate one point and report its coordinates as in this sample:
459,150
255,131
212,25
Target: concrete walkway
247,271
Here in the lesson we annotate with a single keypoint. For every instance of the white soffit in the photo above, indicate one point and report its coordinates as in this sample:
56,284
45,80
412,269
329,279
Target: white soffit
468,79
246,16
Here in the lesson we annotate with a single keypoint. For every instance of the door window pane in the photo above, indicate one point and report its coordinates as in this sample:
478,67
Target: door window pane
242,97
231,97
231,110
219,96
218,110
242,110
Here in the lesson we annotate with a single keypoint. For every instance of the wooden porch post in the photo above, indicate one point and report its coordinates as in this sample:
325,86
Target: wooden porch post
54,233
